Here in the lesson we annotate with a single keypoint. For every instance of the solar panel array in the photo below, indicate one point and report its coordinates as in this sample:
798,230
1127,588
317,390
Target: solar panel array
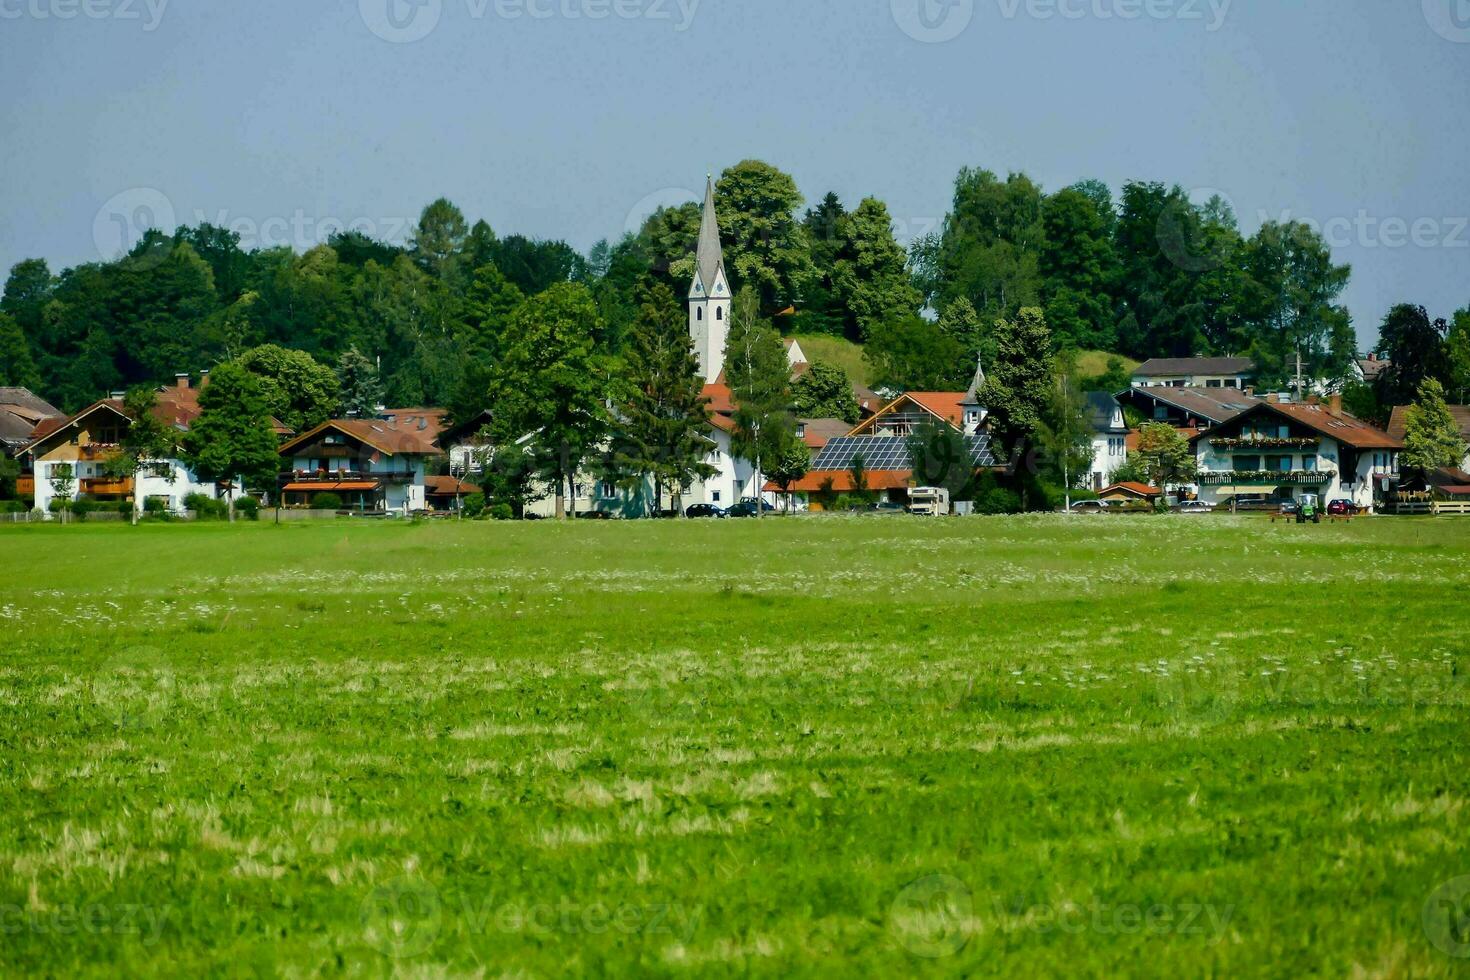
888,452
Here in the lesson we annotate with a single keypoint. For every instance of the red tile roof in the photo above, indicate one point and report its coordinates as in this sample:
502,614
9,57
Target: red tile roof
1398,420
1128,486
816,481
447,486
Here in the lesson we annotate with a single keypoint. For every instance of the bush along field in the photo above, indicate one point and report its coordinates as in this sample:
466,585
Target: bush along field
795,747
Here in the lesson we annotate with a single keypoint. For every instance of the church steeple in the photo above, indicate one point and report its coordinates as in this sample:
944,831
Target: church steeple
709,294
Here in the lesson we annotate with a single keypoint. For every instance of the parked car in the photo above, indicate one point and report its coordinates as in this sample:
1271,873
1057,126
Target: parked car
706,510
1196,507
747,508
1342,508
1091,507
1288,507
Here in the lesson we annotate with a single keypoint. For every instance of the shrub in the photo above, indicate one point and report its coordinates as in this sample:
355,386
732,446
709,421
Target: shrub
155,505
998,501
13,507
248,508
81,508
326,501
205,507
501,512
473,505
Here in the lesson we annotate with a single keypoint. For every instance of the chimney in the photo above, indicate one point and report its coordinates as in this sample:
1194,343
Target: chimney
204,378
1250,390
181,380
1272,398
1334,403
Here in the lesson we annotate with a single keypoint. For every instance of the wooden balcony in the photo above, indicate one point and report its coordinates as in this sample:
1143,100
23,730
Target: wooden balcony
25,486
106,486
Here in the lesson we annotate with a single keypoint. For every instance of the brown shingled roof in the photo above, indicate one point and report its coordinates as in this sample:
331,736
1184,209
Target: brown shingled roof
1398,421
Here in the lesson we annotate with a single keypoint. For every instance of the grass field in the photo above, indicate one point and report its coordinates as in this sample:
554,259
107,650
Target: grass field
1010,746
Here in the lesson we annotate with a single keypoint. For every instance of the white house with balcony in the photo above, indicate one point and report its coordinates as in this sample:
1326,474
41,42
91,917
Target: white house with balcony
1280,450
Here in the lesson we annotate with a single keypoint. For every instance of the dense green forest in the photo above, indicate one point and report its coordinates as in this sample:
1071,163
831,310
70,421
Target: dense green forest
1148,273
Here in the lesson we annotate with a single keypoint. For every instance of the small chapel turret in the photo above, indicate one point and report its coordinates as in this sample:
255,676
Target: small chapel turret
709,294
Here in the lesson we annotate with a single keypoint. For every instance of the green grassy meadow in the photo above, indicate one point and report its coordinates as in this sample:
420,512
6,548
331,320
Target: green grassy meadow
795,747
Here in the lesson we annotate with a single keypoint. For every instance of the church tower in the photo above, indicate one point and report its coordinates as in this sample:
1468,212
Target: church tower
709,295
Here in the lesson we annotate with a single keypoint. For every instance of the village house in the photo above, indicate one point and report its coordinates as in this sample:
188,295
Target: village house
1281,449
372,465
89,440
1195,372
1109,437
1187,408
881,444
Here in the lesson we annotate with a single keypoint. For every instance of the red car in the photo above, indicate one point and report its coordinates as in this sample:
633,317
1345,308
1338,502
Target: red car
1342,508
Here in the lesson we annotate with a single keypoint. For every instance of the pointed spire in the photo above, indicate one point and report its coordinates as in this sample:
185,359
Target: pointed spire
710,259
972,395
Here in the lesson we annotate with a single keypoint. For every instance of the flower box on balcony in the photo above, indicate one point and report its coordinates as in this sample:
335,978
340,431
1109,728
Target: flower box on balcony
1264,443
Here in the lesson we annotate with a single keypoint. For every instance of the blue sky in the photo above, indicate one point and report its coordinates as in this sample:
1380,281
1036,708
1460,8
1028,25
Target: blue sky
572,118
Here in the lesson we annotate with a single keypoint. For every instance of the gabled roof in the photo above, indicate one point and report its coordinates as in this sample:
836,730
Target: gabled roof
1346,429
25,402
1398,421
1129,487
947,406
1173,366
710,257
1100,409
1372,367
403,435
1212,404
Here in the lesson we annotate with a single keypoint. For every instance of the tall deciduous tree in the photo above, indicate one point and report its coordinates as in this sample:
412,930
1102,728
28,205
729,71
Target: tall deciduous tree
663,415
1079,268
552,384
232,440
989,251
17,366
915,354
1431,436
438,238
765,246
760,382
1414,346
825,392
297,389
870,276
1165,455
1018,382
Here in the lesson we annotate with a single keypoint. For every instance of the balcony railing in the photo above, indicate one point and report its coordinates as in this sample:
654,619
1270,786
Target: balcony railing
345,476
107,485
1264,443
1267,477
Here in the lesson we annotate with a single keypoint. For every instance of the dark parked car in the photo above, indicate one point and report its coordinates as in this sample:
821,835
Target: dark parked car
1342,508
705,510
1289,507
747,508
